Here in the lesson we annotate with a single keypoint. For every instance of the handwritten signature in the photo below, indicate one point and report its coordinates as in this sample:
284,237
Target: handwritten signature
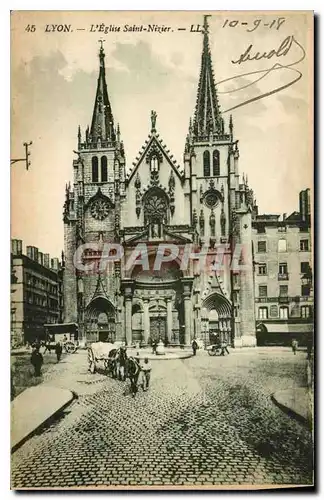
250,55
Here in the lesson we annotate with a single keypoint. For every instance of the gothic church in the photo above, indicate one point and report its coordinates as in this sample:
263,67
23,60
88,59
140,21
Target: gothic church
203,203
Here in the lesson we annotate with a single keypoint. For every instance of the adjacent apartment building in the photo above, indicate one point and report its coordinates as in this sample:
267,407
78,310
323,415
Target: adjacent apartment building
283,275
36,292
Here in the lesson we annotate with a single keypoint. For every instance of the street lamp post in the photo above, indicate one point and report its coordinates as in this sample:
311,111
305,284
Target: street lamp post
26,157
159,318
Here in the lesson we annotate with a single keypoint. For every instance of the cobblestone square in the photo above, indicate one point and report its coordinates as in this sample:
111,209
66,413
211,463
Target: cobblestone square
204,421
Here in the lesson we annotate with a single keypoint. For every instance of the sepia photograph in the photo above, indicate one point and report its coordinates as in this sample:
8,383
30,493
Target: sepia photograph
162,262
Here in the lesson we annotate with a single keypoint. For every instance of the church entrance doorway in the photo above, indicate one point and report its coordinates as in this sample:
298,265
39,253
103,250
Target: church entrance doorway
216,315
100,321
157,328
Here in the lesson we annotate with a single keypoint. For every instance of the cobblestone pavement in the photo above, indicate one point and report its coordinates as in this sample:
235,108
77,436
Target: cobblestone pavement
204,421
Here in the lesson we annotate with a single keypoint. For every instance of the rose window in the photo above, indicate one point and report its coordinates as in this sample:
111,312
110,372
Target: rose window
211,199
99,209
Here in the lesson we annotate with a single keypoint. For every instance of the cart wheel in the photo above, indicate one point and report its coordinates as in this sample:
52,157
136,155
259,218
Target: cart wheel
91,361
212,352
70,347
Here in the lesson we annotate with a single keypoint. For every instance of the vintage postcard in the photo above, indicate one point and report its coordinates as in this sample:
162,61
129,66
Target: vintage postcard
162,289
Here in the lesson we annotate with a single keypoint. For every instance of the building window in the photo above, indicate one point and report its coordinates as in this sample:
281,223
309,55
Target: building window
282,245
263,312
305,290
104,173
283,313
216,167
283,290
261,228
262,269
262,246
206,158
95,172
304,246
305,311
154,164
283,270
263,291
274,311
282,229
304,267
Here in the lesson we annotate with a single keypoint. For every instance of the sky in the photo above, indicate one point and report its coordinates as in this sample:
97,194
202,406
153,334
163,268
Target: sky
53,85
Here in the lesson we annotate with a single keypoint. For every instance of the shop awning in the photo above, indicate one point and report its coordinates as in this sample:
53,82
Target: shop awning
289,327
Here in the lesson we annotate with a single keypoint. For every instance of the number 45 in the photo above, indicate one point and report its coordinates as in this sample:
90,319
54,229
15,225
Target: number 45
30,27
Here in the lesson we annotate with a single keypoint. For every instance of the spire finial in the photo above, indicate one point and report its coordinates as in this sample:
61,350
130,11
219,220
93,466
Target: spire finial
153,120
101,52
206,26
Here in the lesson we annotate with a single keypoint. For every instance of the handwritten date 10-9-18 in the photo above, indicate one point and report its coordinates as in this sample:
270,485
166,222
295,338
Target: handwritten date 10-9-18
252,26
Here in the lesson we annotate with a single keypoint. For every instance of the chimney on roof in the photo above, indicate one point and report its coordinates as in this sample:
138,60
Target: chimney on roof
284,216
55,264
46,260
16,247
304,204
41,258
30,251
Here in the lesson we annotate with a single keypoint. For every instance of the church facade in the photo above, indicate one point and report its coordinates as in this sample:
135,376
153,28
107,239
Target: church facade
201,209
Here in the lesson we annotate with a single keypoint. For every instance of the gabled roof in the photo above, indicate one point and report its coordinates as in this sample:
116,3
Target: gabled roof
100,289
154,140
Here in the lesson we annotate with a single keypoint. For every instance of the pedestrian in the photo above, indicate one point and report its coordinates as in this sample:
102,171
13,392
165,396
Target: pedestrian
294,345
146,369
64,338
309,348
58,351
154,346
37,361
194,346
224,348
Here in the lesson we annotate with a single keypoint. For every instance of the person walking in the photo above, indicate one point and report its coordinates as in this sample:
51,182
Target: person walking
58,351
37,361
194,346
294,345
224,348
146,369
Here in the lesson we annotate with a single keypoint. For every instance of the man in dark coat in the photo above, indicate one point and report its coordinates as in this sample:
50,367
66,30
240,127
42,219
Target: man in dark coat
58,351
37,361
194,346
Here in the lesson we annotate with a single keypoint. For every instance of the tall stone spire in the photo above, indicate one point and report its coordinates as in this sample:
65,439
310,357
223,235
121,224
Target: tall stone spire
102,125
207,119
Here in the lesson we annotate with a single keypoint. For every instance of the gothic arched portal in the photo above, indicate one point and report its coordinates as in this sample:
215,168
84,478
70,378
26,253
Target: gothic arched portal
216,316
100,320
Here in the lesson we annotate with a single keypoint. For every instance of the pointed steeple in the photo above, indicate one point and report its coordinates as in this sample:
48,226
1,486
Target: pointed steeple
102,125
208,119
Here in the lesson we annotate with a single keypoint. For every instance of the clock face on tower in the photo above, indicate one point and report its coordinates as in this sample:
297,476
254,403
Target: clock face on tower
99,209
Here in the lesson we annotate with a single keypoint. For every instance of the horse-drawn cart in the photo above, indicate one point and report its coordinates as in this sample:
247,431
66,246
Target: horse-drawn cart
219,349
100,353
66,333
